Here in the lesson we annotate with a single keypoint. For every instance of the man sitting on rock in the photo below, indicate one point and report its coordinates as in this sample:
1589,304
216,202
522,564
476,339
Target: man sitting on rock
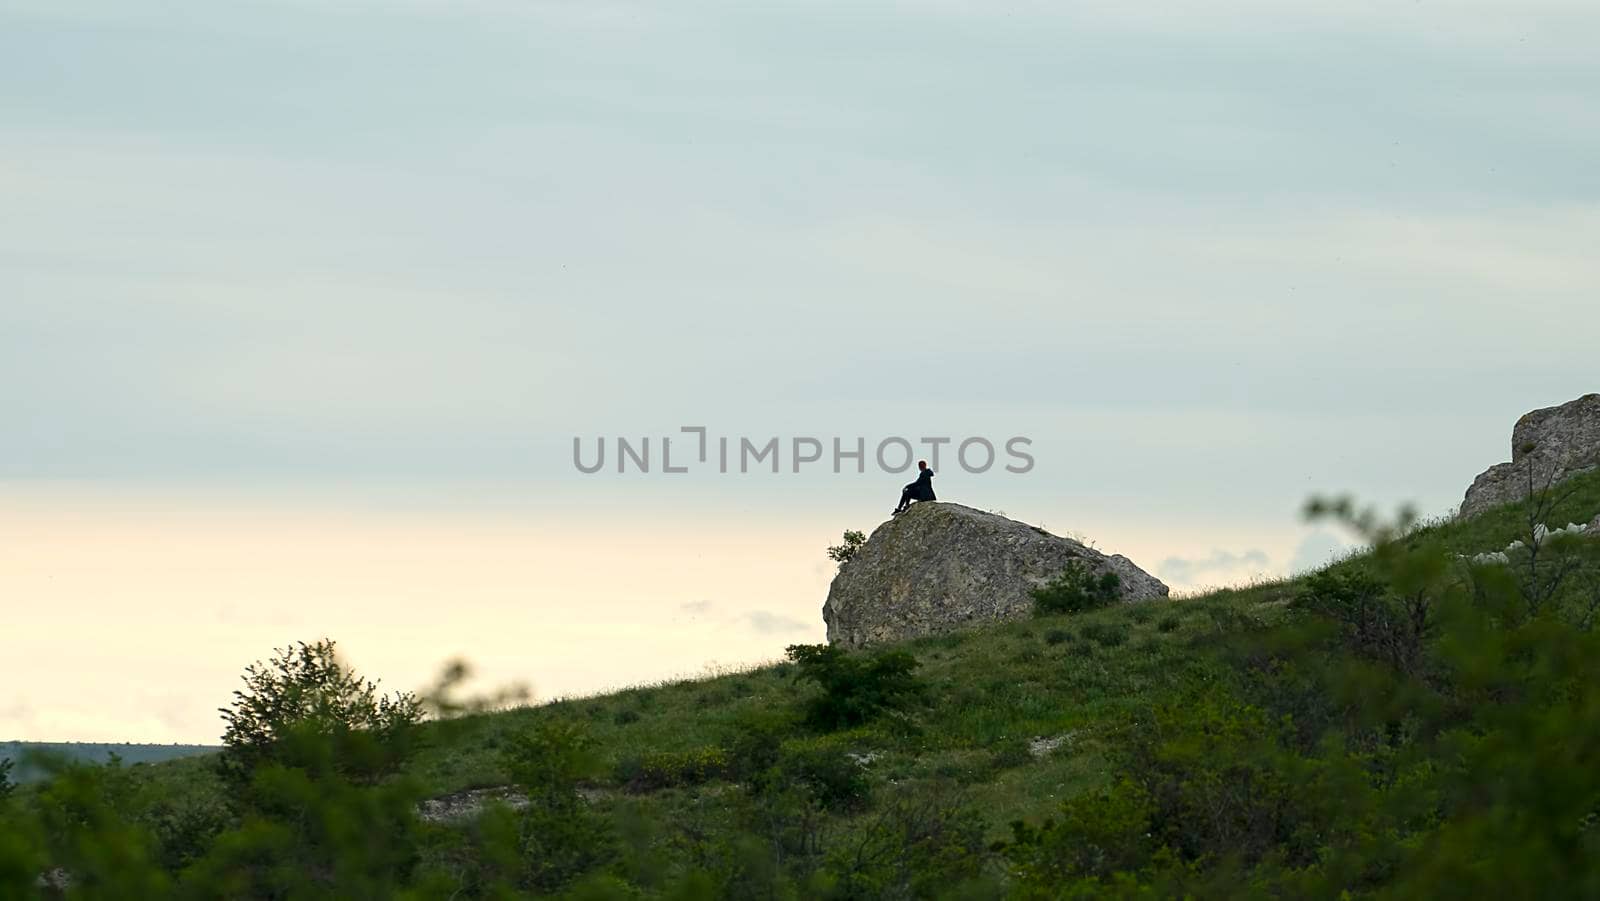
920,490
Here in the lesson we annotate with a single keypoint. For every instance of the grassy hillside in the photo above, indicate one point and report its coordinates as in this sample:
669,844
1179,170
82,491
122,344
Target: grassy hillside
993,688
992,691
1304,727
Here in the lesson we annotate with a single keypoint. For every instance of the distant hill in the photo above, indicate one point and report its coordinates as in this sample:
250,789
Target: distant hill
93,752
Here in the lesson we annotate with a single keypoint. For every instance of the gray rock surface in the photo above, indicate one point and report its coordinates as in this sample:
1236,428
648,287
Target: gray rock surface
939,567
467,805
1556,443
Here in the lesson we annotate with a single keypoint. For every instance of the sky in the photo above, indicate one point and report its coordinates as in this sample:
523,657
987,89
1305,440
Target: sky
303,304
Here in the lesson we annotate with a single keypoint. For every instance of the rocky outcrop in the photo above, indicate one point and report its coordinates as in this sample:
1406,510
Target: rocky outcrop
467,805
1551,444
939,567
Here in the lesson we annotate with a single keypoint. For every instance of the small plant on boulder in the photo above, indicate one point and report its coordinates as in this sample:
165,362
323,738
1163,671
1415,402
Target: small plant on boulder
1077,589
844,553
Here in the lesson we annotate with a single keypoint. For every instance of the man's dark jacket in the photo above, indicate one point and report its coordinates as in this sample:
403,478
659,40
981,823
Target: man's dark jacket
922,488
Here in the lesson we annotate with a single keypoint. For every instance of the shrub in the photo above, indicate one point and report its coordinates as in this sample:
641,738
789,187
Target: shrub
303,703
185,817
551,758
844,553
1106,634
667,769
76,820
1372,621
556,838
1075,590
970,766
1011,753
855,687
913,846
753,747
6,785
1057,636
1098,835
1168,623
826,770
310,832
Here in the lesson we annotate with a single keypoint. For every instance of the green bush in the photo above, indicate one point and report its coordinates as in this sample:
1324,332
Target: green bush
755,741
1168,623
856,687
307,830
77,820
1057,636
1098,835
557,838
305,701
1106,634
1075,590
825,769
844,553
913,846
1372,620
667,769
1011,753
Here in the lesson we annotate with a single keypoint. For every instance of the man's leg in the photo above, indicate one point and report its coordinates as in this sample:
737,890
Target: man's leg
905,500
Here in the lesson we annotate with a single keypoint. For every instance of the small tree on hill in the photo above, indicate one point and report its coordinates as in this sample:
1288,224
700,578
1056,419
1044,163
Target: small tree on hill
855,687
305,702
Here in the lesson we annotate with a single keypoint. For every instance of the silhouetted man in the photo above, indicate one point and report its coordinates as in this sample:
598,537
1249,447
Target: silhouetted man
920,490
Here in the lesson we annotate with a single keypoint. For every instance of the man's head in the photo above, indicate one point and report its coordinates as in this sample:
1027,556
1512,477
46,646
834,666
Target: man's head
922,464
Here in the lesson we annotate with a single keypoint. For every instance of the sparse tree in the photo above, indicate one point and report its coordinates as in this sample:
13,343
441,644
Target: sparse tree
306,699
844,553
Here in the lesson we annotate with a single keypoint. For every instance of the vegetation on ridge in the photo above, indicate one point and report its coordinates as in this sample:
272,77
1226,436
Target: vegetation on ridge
1406,722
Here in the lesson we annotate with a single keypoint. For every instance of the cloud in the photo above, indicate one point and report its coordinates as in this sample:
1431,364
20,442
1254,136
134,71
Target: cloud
768,623
1316,550
16,720
1220,564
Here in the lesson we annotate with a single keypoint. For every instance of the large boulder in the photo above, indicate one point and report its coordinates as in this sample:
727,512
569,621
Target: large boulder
939,567
1551,444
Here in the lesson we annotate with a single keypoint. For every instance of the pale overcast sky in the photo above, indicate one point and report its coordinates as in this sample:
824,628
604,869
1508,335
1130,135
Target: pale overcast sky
275,270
